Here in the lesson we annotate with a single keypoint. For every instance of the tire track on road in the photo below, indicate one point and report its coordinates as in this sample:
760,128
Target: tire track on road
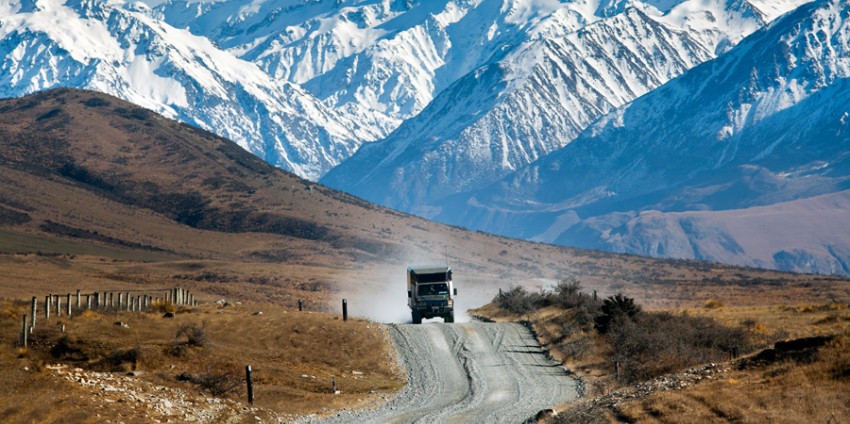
469,373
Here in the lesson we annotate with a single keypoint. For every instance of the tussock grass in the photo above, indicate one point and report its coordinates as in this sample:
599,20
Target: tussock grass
799,388
788,392
281,345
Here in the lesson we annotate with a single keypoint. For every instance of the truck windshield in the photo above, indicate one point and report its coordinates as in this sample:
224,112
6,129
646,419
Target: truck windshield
434,278
433,289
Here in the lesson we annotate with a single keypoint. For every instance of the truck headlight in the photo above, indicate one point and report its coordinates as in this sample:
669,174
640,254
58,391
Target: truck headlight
451,302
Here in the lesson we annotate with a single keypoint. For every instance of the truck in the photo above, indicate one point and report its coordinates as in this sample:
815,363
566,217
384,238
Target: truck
430,292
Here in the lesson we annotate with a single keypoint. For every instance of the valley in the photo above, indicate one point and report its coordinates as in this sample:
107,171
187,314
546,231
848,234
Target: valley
98,194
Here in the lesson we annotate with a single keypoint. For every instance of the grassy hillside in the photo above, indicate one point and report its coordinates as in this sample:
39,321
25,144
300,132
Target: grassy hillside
97,189
294,355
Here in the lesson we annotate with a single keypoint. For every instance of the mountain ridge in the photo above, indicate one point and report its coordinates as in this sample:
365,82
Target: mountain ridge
760,126
551,90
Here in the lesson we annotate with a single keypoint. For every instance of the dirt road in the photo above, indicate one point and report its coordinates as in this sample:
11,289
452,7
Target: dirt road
469,373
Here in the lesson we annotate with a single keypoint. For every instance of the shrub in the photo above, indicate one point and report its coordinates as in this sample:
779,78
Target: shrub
218,382
195,335
119,357
519,301
713,303
651,344
616,308
163,307
577,348
568,294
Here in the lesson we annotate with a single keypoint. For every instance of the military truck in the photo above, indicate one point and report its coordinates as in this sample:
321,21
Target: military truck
430,292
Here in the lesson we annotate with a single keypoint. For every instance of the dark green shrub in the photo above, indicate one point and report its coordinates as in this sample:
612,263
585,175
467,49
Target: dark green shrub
615,308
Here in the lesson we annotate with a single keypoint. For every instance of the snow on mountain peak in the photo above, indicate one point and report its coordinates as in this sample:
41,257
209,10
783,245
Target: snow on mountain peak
123,50
742,159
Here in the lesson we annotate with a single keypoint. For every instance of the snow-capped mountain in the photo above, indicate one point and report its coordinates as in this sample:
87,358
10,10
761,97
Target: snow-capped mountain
304,84
744,159
120,49
539,93
385,58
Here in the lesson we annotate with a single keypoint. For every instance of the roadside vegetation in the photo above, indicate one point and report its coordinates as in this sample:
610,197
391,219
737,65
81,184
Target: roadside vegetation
200,352
715,363
636,344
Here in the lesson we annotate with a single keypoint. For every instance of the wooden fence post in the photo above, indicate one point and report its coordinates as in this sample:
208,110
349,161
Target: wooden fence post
24,332
58,306
250,382
68,305
88,301
47,300
78,299
344,309
33,310
299,305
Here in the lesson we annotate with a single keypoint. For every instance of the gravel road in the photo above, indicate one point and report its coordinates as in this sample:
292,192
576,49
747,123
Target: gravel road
469,373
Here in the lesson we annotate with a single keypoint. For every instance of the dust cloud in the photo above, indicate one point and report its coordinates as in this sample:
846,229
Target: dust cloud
380,294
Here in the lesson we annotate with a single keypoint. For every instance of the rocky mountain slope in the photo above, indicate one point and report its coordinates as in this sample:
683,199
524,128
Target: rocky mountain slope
539,94
741,160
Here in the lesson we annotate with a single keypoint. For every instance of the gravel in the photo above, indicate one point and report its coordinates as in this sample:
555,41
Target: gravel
468,373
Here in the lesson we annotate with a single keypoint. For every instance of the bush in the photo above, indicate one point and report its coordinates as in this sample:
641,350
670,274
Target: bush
577,348
567,293
616,308
713,303
119,357
218,382
162,306
519,301
195,335
651,344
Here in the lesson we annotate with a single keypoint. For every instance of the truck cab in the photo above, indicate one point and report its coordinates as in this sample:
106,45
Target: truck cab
430,292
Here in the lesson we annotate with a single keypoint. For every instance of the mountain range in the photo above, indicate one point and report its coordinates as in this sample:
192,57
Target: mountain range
743,159
539,95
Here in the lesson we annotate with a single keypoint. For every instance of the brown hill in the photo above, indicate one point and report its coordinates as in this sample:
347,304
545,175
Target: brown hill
97,192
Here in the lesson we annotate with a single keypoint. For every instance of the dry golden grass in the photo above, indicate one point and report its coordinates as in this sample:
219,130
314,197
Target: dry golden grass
125,240
787,392
769,323
281,345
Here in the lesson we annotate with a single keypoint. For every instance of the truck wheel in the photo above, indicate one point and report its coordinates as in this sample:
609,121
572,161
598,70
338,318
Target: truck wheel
449,318
417,319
